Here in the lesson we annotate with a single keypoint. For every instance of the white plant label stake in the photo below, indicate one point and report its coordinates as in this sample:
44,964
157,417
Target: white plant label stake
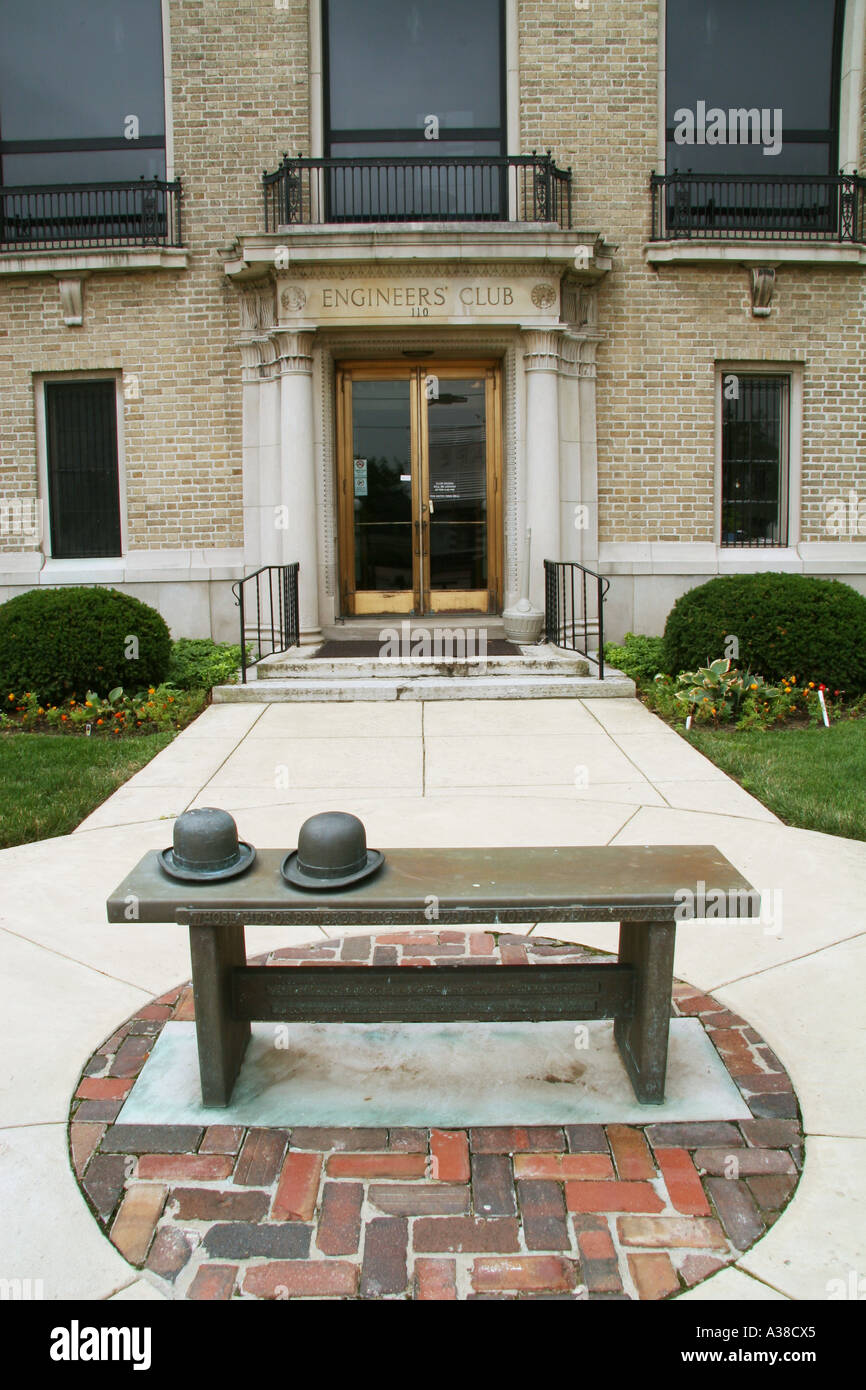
824,709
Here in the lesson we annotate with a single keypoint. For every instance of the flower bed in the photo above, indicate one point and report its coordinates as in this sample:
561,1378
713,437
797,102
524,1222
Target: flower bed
117,714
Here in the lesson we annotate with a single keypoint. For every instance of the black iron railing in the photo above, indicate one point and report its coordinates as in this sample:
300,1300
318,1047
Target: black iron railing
747,207
513,188
269,613
55,217
567,608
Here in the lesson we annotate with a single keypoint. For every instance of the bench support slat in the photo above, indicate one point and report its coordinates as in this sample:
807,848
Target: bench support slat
440,993
643,1038
222,1039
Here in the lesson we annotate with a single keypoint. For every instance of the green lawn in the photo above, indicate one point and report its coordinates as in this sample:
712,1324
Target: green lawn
814,778
50,782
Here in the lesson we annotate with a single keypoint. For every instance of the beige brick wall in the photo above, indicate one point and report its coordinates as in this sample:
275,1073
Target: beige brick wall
589,91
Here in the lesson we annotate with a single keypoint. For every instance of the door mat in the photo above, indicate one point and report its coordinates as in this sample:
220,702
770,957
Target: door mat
330,651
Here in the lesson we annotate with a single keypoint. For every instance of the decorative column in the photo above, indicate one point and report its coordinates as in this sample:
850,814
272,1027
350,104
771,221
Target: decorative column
588,450
298,521
580,309
541,364
261,454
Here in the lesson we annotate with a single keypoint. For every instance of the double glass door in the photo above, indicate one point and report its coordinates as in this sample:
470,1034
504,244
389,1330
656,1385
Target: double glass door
419,487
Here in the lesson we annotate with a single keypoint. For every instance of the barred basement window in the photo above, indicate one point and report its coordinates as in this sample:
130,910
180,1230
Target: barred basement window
755,446
83,480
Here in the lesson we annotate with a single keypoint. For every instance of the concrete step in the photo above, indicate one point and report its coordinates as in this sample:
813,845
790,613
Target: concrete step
295,667
539,686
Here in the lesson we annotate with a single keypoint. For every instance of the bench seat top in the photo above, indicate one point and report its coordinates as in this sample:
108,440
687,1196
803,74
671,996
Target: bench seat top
431,887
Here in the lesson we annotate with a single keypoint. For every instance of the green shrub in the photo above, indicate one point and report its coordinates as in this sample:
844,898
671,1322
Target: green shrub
785,625
197,663
62,642
639,657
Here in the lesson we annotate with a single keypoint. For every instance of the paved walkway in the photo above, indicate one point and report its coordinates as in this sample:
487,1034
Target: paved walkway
601,772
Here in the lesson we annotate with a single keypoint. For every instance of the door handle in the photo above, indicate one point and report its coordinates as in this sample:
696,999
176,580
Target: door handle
417,540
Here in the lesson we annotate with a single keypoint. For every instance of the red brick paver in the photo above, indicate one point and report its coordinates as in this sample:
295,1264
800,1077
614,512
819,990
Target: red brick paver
581,1211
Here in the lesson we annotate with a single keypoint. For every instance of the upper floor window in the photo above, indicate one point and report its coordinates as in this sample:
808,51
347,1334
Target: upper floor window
414,83
414,79
81,92
753,86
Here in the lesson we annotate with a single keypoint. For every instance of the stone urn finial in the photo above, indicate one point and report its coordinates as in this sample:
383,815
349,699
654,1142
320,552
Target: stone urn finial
523,622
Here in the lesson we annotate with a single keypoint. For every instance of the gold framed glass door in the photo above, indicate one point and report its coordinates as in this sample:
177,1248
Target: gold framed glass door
419,467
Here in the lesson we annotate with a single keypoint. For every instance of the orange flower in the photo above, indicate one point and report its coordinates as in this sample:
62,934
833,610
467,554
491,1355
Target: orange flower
63,718
99,721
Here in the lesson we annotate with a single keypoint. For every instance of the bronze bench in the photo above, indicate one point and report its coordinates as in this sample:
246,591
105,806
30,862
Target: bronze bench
643,888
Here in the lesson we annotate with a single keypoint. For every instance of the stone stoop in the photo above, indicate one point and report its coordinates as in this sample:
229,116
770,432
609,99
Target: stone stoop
537,673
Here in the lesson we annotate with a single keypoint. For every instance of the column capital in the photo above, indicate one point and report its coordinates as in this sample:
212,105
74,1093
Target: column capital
541,350
294,351
250,350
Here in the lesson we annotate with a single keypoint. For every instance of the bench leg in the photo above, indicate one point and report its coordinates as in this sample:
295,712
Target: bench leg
643,1038
222,1040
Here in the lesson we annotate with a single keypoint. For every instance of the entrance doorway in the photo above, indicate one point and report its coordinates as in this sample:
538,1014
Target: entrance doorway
419,460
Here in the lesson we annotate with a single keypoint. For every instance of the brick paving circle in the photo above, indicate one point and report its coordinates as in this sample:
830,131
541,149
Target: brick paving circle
587,1211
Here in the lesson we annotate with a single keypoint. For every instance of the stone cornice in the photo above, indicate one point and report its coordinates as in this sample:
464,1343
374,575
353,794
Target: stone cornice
377,250
72,263
754,253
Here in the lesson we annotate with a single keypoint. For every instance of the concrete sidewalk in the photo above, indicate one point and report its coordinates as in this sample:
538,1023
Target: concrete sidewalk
603,771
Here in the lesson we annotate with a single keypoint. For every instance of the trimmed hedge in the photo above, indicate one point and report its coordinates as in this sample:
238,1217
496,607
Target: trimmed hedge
60,643
786,625
198,663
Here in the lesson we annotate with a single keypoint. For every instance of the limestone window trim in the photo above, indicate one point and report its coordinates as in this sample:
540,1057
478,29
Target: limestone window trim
39,382
792,450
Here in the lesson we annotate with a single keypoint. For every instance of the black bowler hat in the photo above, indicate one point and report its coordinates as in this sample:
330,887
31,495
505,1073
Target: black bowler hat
206,847
332,853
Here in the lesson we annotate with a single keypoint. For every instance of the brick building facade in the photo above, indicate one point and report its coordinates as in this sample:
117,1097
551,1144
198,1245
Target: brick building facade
660,383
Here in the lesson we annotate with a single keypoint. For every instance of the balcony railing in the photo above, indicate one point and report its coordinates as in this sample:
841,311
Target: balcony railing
513,188
749,207
58,217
